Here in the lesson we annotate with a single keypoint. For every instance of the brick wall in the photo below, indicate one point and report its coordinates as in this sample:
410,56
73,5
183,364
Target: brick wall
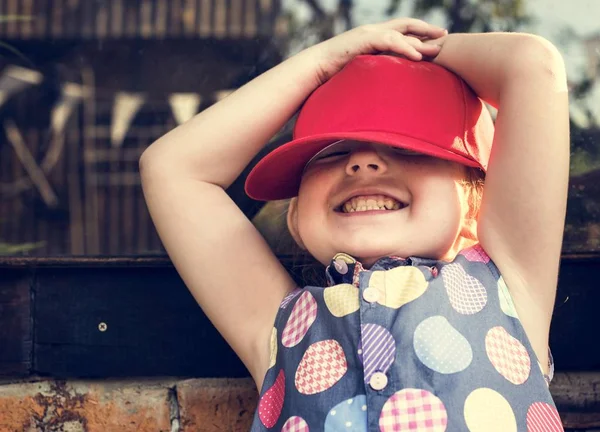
165,405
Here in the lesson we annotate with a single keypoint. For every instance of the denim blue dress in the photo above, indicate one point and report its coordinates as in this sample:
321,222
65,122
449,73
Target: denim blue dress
408,345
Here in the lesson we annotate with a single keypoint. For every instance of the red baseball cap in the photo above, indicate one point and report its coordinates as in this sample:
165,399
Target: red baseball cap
383,99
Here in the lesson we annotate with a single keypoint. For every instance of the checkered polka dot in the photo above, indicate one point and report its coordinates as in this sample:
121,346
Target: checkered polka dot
322,365
413,410
475,254
295,424
467,294
508,355
303,315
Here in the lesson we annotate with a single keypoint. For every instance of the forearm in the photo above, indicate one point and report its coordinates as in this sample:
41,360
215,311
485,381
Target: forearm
218,143
490,62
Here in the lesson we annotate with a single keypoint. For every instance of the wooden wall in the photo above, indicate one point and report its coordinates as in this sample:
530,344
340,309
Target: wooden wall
147,19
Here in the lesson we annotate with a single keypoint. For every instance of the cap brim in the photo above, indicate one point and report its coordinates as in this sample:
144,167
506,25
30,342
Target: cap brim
278,175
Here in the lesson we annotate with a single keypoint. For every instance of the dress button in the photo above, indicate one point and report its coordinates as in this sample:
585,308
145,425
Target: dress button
371,294
378,381
341,266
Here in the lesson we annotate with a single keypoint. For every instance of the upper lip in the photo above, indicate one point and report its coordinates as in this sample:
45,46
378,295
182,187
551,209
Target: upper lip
368,191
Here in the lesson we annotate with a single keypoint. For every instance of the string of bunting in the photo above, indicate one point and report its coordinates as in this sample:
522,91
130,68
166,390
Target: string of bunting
126,105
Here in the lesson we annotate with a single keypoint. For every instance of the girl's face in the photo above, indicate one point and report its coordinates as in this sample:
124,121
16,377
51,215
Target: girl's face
372,201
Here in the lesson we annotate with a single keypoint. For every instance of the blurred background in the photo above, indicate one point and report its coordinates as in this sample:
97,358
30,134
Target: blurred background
87,85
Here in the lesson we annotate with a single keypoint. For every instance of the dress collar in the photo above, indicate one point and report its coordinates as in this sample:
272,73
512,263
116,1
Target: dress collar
345,269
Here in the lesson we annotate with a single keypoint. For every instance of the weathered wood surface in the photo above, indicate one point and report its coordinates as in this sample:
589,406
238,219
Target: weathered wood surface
107,316
15,323
144,19
577,396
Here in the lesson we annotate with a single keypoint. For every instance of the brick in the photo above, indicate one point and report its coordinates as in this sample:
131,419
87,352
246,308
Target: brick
85,406
216,405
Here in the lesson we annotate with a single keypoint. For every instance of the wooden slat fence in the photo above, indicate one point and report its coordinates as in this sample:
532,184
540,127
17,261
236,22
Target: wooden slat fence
143,19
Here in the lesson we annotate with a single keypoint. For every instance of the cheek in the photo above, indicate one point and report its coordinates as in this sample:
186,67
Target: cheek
438,199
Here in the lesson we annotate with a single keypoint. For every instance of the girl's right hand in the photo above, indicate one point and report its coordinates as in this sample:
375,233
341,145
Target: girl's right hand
401,36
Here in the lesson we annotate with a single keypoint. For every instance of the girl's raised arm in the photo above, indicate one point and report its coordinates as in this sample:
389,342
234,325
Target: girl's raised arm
522,214
223,260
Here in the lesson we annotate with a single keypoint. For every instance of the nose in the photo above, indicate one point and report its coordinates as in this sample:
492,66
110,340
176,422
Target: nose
365,160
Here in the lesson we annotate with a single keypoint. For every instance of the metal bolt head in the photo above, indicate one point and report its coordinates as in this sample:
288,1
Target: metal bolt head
102,327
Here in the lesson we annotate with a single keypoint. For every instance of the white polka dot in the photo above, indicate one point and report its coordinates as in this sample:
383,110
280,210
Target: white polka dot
349,401
332,412
348,424
360,351
364,407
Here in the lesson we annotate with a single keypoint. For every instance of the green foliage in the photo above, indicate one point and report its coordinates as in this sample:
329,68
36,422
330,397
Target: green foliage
470,16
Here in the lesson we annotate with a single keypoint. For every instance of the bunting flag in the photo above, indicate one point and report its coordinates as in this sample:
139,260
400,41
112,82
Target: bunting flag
61,112
125,108
15,79
71,96
184,106
126,105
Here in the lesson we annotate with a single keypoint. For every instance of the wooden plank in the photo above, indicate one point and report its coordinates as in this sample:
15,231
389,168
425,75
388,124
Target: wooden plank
236,18
27,30
146,7
189,17
13,25
15,322
160,18
572,337
577,397
116,20
220,19
102,19
149,19
250,22
205,19
88,19
153,326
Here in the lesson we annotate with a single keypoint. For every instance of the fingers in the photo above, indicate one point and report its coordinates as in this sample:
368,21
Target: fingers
392,40
415,27
409,46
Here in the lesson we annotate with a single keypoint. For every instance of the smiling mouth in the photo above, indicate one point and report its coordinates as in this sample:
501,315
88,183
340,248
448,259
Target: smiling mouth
364,203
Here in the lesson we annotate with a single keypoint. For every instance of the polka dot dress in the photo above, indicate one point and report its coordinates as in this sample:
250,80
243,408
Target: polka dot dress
408,345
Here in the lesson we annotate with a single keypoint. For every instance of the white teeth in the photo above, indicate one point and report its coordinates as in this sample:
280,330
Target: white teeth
372,202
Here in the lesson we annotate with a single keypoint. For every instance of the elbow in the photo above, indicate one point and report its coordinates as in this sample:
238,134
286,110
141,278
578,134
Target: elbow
148,162
539,59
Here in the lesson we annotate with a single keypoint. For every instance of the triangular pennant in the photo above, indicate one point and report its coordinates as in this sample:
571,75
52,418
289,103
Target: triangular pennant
125,108
184,106
71,95
15,79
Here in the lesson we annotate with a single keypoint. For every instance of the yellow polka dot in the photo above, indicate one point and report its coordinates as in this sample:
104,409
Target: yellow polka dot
342,299
344,257
398,286
273,358
487,411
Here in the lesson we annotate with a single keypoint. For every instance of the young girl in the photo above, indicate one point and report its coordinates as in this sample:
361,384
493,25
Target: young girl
440,297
